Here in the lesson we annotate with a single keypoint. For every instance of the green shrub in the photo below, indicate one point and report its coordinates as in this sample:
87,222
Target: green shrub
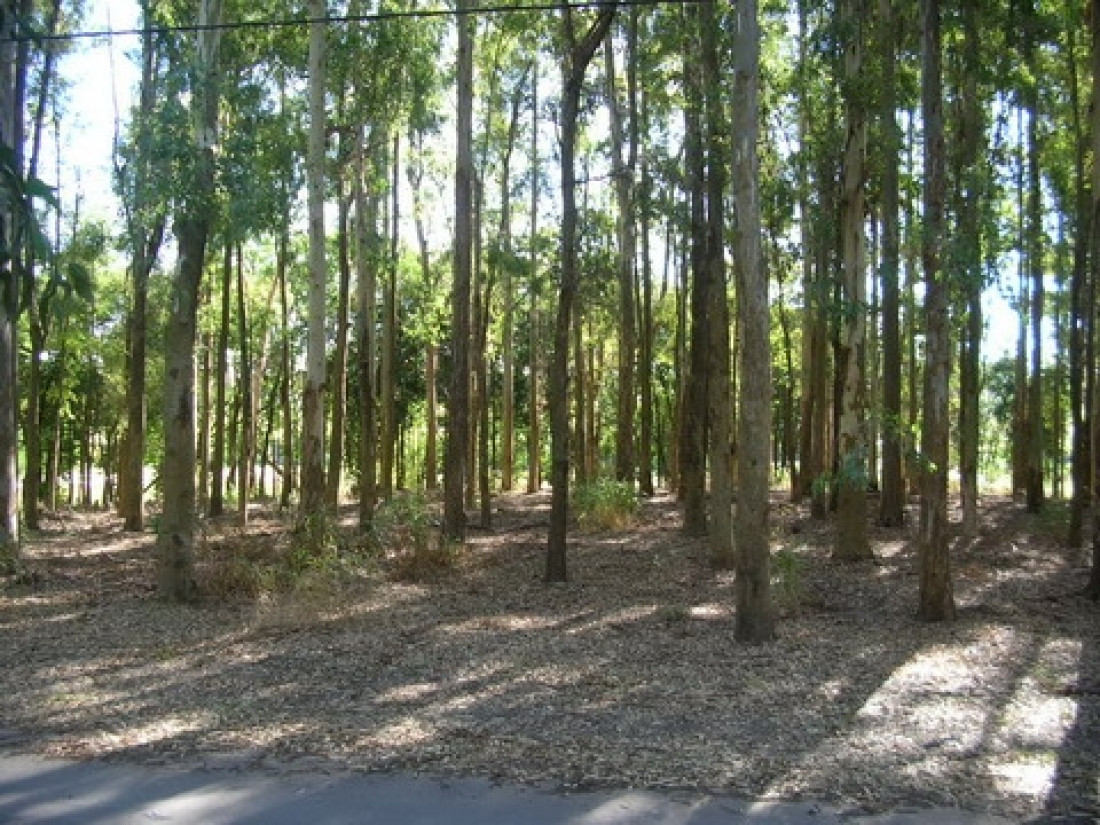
405,533
605,504
788,577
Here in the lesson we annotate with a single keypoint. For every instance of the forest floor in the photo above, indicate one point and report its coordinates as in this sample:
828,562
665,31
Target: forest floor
628,676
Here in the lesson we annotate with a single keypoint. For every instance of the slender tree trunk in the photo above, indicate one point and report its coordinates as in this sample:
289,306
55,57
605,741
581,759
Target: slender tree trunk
388,365
892,501
339,360
458,402
366,289
1079,316
694,424
217,472
720,392
313,402
287,377
969,175
11,106
575,62
176,539
431,354
851,482
622,171
534,423
755,622
936,596
145,240
645,359
246,442
1034,246
1093,587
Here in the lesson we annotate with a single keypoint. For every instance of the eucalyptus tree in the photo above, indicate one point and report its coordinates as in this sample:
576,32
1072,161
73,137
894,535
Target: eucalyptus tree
851,482
145,216
11,139
458,401
176,539
623,170
41,300
577,52
892,501
720,391
755,621
1093,587
313,404
936,597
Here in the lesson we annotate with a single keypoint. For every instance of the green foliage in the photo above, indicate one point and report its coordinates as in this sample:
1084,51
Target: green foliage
604,504
405,533
788,577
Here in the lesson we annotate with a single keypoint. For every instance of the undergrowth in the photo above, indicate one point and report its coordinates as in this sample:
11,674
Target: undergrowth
406,535
605,505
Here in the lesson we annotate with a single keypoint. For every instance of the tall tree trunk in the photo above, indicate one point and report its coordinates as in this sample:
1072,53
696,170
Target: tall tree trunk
1093,587
313,401
1079,314
755,622
969,175
622,171
534,423
145,241
458,401
366,289
287,377
246,444
217,472
578,55
11,135
1034,247
936,595
431,354
720,392
892,501
339,360
694,425
645,359
851,482
388,365
176,539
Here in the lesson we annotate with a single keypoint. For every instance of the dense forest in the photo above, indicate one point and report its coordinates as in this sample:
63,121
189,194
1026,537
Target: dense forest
611,246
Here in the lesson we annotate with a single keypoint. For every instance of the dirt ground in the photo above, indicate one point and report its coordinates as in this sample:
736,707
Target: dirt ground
628,676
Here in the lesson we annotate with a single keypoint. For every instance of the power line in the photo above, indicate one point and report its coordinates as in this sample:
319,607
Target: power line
344,19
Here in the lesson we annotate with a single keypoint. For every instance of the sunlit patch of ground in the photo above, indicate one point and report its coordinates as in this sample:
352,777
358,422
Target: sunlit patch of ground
627,676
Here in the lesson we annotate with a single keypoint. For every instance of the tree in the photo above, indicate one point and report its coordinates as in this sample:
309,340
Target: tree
145,223
176,539
755,621
313,409
1093,587
575,59
458,401
851,483
937,602
892,502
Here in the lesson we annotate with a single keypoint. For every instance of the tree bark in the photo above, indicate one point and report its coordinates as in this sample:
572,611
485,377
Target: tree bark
892,502
366,289
458,401
534,423
575,62
851,482
694,426
1093,587
1034,247
247,441
11,104
313,402
936,597
176,539
755,620
339,359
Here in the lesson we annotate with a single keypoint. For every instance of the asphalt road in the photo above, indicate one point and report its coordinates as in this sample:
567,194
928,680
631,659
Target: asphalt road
35,790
